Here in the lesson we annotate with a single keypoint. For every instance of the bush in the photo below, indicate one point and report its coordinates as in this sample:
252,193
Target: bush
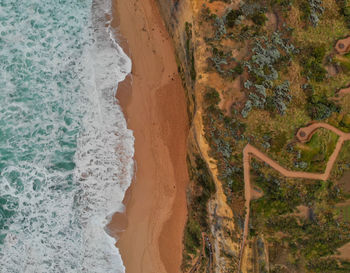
247,108
193,68
345,122
192,236
312,63
212,96
220,29
319,107
282,3
189,50
238,69
314,70
232,16
316,9
259,19
279,142
311,10
204,179
345,11
318,52
269,53
249,8
281,96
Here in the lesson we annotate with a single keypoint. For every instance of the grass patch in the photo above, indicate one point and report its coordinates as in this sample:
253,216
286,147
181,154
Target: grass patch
344,212
190,51
330,28
317,151
192,237
202,188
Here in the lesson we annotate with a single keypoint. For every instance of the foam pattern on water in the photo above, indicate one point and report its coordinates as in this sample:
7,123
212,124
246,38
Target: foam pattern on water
65,151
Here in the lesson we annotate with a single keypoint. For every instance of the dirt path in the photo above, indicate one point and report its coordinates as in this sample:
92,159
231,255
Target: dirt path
303,135
343,46
341,93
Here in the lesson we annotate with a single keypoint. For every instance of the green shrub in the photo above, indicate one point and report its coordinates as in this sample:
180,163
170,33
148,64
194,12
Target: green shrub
192,237
345,122
314,70
319,107
318,52
311,10
312,63
269,54
238,69
345,11
282,3
193,68
259,19
212,96
304,7
189,50
232,16
278,142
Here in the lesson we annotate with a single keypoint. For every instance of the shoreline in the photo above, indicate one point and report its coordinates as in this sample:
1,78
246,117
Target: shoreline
150,231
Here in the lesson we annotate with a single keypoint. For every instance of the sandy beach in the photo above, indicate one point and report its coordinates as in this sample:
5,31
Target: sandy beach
154,104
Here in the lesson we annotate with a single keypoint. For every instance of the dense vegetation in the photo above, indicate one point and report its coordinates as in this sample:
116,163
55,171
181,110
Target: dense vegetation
318,233
203,189
287,77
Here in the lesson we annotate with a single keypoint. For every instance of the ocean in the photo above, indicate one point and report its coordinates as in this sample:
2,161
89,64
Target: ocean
66,155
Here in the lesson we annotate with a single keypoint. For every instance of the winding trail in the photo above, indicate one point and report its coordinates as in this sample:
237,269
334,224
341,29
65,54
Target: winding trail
303,135
341,93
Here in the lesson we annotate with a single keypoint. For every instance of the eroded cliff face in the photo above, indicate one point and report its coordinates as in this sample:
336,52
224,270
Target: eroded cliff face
255,72
178,16
211,237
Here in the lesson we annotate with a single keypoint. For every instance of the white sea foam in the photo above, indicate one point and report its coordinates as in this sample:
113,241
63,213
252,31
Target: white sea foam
105,148
60,67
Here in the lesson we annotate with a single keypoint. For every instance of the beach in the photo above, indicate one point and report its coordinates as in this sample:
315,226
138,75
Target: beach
153,101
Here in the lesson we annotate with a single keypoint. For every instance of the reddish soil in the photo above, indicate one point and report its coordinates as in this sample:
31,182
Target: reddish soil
343,92
303,211
344,252
343,46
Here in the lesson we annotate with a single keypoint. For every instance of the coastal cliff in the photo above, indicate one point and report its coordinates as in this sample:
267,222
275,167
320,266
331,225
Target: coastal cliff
209,212
254,72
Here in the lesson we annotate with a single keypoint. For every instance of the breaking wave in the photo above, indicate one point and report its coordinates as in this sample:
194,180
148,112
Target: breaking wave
65,150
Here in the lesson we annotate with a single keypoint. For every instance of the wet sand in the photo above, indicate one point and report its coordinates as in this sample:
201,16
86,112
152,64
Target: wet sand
154,104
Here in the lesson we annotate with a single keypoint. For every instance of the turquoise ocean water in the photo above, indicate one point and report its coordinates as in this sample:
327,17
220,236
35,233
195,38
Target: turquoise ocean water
65,151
